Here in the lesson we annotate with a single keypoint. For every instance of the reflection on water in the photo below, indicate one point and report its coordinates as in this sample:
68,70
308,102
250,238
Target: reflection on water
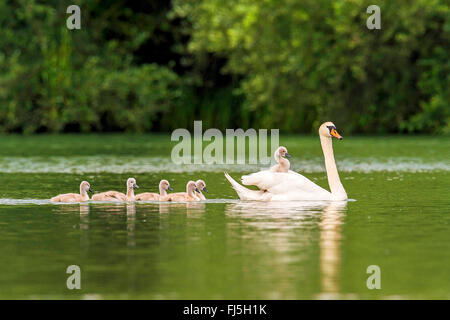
282,219
131,224
228,248
277,208
84,208
330,242
191,207
105,209
225,248
131,209
290,216
124,164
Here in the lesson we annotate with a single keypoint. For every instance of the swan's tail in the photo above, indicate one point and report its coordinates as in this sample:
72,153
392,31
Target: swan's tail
243,192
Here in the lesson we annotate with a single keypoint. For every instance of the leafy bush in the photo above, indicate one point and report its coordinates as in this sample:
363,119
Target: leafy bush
53,79
307,61
146,65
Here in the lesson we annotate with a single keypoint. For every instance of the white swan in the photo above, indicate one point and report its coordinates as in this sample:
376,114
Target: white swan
280,186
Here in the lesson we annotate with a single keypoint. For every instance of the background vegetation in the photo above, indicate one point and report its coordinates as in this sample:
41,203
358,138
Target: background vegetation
147,65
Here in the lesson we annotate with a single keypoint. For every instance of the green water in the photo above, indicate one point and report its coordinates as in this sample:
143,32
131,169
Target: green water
223,248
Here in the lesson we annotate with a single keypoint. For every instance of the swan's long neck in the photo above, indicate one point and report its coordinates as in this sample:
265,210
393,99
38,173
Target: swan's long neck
162,191
336,187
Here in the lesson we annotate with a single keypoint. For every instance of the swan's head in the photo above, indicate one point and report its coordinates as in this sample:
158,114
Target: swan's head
328,129
165,185
131,183
201,185
282,152
191,187
85,187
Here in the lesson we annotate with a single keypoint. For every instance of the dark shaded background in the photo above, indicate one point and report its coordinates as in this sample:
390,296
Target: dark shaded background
146,66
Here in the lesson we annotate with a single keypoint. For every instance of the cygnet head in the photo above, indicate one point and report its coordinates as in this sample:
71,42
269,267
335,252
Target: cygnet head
165,185
282,152
328,129
85,187
191,187
131,183
201,185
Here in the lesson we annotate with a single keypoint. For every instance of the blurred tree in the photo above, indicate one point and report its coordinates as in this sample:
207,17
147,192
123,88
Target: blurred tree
53,79
151,65
307,61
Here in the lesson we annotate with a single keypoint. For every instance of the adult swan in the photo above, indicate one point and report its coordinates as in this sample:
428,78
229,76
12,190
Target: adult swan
281,186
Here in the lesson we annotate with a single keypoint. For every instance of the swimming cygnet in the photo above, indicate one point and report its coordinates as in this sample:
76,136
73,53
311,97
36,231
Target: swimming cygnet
116,195
280,157
74,197
201,186
163,187
189,195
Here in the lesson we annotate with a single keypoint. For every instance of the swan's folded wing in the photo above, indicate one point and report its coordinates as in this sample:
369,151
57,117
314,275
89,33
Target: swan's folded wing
267,179
300,186
283,183
263,179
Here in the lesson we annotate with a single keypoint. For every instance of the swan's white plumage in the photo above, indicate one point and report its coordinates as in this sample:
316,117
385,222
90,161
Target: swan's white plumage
280,186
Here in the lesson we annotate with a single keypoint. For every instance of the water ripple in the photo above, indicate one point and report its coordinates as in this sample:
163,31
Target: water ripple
124,164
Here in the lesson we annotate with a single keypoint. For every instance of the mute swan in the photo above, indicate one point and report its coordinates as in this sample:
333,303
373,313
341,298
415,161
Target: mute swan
118,196
74,197
201,186
283,163
163,187
188,196
281,186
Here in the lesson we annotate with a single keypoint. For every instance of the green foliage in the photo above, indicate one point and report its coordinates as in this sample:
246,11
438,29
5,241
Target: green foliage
146,66
53,79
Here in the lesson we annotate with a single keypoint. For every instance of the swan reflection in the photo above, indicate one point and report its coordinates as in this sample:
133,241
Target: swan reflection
84,208
131,209
81,208
131,224
330,244
191,207
284,219
278,214
277,208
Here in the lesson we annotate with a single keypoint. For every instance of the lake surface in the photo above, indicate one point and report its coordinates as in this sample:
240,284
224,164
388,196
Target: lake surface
223,248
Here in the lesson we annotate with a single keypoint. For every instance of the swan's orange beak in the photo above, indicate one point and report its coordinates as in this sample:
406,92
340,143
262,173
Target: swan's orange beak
335,134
